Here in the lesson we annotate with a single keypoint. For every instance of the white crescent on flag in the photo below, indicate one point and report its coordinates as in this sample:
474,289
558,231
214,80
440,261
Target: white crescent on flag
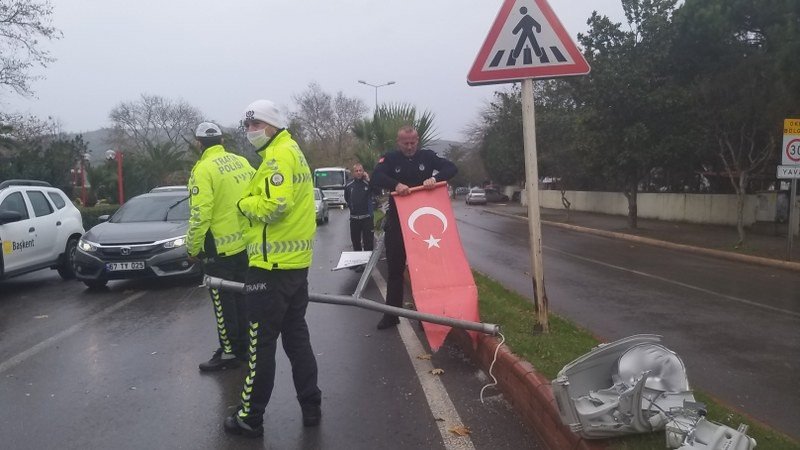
426,210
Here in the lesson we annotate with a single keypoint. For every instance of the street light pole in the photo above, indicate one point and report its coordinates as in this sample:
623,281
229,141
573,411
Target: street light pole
376,86
83,183
117,155
84,192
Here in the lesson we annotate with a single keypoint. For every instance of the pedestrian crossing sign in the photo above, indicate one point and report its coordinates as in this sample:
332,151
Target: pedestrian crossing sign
526,41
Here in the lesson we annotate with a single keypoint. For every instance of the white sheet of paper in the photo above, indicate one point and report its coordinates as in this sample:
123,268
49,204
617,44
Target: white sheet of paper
350,259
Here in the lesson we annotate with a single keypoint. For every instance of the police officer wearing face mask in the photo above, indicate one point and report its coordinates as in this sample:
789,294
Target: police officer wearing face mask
278,218
399,171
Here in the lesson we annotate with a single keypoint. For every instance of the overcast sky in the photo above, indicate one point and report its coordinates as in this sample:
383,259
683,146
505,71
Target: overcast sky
221,55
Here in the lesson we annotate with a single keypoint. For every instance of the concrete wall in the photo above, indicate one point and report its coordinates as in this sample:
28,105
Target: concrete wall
719,209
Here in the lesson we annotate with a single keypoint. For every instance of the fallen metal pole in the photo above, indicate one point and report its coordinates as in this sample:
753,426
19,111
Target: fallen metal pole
373,261
360,302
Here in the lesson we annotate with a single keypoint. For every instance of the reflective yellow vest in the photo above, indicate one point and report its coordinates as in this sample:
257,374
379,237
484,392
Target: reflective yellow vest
218,181
278,208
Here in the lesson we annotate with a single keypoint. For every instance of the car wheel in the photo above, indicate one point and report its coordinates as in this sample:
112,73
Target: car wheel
66,268
326,218
95,284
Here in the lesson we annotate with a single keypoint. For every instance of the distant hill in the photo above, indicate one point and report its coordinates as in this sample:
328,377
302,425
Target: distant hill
441,146
97,142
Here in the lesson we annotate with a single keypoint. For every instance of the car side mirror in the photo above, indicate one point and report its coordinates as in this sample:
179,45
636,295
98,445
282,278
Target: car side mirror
7,216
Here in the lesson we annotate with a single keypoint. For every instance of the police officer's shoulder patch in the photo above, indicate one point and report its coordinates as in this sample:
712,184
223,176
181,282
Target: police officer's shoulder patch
195,190
276,179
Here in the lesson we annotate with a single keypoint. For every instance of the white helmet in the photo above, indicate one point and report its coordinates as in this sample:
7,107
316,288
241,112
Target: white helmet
207,129
265,111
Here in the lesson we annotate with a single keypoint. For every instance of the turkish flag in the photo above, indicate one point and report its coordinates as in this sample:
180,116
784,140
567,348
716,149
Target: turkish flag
441,279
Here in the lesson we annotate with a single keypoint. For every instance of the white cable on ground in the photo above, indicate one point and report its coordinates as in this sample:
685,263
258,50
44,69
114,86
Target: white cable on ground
491,367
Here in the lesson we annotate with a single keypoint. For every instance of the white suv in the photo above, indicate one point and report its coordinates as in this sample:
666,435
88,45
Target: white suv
39,228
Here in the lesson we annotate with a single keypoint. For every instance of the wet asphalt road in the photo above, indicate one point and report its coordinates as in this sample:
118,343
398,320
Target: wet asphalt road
118,369
736,326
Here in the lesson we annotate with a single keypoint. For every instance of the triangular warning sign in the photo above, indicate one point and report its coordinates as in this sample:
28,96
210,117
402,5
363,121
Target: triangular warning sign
526,41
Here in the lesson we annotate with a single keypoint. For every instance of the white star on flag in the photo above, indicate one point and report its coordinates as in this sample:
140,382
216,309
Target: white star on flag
432,242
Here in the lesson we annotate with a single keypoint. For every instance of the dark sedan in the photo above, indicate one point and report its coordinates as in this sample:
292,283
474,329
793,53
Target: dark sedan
145,238
495,196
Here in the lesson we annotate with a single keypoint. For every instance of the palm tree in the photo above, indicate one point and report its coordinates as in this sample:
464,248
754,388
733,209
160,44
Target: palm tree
104,182
378,135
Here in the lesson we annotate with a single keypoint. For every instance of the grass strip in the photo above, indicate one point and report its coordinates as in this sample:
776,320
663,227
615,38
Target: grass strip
549,353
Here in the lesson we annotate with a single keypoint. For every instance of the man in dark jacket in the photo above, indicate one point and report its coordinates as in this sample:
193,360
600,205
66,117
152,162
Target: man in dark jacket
399,171
358,196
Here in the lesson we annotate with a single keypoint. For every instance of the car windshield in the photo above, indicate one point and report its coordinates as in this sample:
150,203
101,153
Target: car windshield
153,208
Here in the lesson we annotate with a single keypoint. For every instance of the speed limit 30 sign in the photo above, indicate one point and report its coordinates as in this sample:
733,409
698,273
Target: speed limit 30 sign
791,142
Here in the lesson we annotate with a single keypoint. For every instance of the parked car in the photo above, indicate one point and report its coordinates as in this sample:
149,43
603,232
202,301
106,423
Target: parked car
322,207
495,196
476,196
145,238
462,191
169,188
39,228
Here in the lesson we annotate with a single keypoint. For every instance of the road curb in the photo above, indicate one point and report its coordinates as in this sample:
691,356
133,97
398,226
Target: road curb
769,262
528,392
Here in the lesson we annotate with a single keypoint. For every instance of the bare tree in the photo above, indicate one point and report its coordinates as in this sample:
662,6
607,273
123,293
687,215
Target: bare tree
315,112
22,24
152,120
346,111
744,152
27,127
325,122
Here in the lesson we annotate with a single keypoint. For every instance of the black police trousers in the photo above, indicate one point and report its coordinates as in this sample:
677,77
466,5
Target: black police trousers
396,263
229,307
361,230
276,306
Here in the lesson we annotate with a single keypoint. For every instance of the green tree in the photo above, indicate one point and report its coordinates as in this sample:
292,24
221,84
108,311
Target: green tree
499,138
158,165
35,149
470,166
628,100
740,59
104,182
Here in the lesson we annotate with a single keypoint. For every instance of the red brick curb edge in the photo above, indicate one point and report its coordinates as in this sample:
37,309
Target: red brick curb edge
528,392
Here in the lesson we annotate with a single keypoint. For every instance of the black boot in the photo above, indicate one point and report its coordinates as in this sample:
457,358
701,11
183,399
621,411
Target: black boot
220,361
388,321
311,415
235,425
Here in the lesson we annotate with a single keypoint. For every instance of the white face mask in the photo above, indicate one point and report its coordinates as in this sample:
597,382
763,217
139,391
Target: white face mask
258,138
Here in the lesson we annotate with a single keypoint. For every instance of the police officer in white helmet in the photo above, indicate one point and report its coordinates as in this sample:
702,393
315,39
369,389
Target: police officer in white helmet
279,222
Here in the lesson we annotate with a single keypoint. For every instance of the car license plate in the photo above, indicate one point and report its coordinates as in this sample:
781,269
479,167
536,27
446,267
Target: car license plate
131,265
